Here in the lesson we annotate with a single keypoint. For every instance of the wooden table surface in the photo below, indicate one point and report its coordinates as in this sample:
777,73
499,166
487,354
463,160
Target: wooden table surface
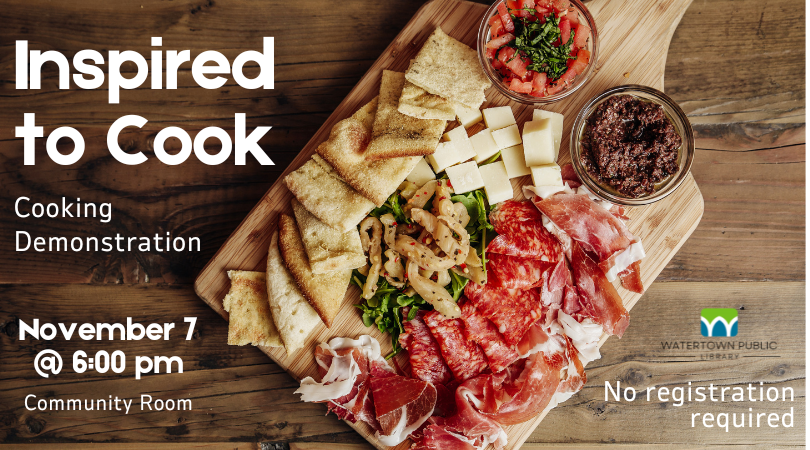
735,66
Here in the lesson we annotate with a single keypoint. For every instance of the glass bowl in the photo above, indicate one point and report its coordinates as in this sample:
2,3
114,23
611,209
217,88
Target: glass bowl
495,76
679,120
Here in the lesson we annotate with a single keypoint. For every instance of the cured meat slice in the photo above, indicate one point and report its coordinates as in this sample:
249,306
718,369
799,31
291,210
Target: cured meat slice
345,366
631,278
402,405
521,232
512,311
569,175
435,437
465,358
424,352
481,331
470,423
565,359
534,340
597,230
514,272
598,299
525,391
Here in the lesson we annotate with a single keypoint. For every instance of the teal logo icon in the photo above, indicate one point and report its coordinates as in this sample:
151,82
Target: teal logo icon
718,322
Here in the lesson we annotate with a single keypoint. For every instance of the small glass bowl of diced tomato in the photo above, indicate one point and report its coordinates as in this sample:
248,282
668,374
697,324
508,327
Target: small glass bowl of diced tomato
537,51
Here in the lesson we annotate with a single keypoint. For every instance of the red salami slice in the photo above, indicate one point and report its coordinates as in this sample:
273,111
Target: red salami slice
424,352
465,358
481,331
512,311
513,272
521,233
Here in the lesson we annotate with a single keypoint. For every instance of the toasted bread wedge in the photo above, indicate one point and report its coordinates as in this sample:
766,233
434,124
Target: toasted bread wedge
366,114
327,249
327,196
292,314
450,69
324,291
419,103
395,134
250,319
375,180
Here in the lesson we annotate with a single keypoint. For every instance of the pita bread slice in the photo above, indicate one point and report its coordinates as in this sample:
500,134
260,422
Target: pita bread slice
448,68
419,103
327,196
292,314
375,180
327,249
395,134
250,320
324,291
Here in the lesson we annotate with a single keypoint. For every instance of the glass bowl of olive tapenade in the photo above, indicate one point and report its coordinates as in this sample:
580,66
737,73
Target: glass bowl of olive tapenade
632,145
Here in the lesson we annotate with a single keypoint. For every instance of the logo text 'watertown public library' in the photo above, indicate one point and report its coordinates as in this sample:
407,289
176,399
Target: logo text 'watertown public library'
718,322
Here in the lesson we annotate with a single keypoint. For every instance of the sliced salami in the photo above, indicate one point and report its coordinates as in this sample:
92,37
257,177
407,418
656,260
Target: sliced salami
465,358
514,272
512,311
484,333
521,233
424,352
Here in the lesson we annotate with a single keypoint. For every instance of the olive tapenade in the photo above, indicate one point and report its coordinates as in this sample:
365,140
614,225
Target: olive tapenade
630,144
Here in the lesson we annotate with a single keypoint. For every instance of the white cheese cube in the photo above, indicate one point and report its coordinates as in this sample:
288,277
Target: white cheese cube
421,174
463,144
445,156
507,137
484,145
515,161
465,177
496,182
499,117
538,143
556,126
467,116
547,175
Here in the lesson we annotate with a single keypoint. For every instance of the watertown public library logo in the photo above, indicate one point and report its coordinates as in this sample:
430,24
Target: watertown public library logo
718,322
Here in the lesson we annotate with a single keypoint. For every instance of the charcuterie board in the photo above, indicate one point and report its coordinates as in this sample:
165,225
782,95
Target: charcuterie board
634,36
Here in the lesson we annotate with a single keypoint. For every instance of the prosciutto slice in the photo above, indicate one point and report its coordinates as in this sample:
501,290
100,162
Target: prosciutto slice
424,352
435,437
484,333
514,272
465,358
521,232
521,393
597,298
402,406
512,311
595,229
345,366
478,428
631,278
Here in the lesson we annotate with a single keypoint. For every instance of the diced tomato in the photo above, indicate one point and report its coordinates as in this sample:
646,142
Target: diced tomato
492,53
555,88
565,31
541,11
521,87
508,25
581,36
560,5
505,54
529,76
513,4
518,65
579,66
524,5
500,41
539,84
573,17
496,29
496,63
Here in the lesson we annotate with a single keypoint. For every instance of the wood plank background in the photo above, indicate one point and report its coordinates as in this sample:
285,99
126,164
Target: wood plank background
736,68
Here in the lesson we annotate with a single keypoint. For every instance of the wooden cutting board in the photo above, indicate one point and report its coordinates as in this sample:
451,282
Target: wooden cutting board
634,38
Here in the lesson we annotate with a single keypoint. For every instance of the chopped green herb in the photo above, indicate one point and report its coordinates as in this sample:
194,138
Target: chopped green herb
536,40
